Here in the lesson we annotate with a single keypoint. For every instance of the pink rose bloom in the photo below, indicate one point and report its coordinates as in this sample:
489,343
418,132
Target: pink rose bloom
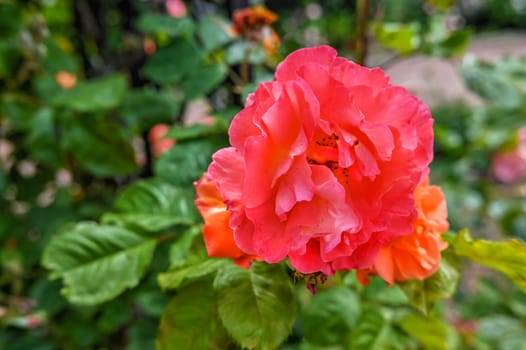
510,166
176,8
324,164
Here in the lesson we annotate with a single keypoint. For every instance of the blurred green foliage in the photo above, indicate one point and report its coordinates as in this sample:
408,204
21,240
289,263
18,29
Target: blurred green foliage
85,195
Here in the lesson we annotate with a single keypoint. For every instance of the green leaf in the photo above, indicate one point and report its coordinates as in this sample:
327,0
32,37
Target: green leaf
19,110
148,222
56,59
370,330
115,315
154,196
425,293
211,31
171,63
142,334
188,248
508,257
375,330
442,41
379,290
432,333
257,306
403,38
152,23
196,131
181,276
94,95
10,17
330,315
242,50
189,261
46,294
46,88
57,14
187,161
227,114
97,262
441,4
9,56
81,328
151,301
486,81
42,140
191,321
183,62
99,145
153,205
147,107
455,43
203,80
502,332
514,69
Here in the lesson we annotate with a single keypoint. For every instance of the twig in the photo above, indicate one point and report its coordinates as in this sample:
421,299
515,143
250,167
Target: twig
362,10
245,67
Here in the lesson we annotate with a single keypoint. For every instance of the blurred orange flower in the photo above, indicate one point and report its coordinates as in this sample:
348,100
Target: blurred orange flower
149,46
271,40
218,236
65,79
416,256
254,24
253,18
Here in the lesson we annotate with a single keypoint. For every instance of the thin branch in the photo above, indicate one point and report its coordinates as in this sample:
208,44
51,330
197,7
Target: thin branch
362,10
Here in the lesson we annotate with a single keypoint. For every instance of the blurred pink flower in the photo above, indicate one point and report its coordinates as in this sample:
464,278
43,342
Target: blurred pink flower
198,112
35,320
510,166
176,8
